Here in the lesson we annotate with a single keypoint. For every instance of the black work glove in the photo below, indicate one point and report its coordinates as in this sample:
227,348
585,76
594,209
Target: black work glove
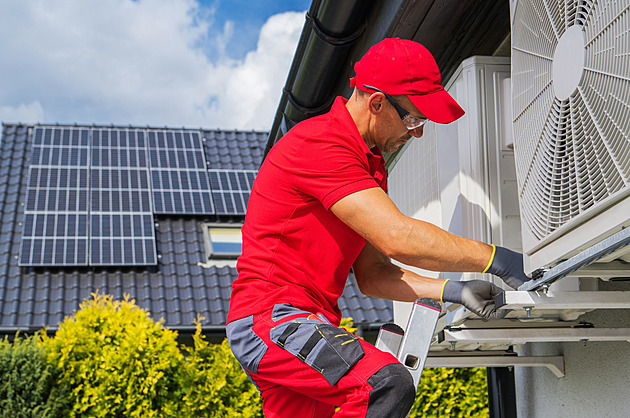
508,265
476,295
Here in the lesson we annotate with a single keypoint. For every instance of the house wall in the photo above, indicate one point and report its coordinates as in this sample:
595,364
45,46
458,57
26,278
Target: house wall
596,381
414,186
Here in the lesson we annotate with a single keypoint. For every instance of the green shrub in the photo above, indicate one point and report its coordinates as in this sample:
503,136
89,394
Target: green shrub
214,383
117,361
452,393
28,382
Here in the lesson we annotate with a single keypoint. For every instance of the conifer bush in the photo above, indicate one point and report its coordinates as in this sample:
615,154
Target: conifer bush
445,392
28,382
117,361
214,383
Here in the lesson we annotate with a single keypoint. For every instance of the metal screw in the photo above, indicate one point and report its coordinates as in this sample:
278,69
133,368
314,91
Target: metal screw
584,341
453,343
528,310
545,289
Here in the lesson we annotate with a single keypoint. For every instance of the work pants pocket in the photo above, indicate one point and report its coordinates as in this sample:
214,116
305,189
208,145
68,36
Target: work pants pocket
327,349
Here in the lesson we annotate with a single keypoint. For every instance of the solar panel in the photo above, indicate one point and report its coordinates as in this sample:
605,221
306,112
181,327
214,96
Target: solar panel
55,225
92,192
179,179
230,190
121,220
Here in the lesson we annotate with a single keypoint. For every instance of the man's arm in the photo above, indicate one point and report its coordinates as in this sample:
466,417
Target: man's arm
373,215
390,234
378,277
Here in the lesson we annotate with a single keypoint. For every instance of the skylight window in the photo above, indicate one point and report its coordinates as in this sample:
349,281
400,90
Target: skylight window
223,241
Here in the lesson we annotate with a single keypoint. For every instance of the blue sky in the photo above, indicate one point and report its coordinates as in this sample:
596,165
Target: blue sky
248,17
194,63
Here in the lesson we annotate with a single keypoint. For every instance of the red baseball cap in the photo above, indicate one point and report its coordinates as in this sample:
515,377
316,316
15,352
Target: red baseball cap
400,66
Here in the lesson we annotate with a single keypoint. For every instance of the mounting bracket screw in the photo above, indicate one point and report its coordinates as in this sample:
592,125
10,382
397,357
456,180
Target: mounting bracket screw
584,341
453,343
545,288
528,310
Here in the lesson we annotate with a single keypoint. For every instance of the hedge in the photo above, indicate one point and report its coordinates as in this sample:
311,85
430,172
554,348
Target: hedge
110,359
446,392
29,384
117,361
214,383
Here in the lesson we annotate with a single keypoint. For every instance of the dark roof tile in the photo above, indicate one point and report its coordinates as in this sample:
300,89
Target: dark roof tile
177,289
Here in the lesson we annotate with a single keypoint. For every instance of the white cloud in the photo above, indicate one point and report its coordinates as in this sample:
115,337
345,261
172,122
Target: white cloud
137,62
254,86
26,113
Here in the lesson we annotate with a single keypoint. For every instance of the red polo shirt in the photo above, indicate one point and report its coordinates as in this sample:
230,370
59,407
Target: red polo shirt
295,250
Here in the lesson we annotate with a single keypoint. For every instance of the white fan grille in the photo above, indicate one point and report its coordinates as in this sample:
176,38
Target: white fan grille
571,154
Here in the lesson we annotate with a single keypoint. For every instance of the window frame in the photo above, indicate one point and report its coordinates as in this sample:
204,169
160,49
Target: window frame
207,238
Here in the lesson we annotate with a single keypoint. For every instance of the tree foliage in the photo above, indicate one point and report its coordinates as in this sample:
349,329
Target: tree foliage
28,382
214,383
117,360
445,392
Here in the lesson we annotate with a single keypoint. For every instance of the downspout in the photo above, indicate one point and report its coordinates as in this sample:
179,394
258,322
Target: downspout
330,30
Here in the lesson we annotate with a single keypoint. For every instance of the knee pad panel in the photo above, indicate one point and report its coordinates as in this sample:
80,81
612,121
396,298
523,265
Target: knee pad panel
393,392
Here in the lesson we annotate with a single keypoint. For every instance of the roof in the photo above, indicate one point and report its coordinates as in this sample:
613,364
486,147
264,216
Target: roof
178,289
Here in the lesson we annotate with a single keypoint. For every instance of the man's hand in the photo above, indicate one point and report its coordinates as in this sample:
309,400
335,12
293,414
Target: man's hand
508,265
476,295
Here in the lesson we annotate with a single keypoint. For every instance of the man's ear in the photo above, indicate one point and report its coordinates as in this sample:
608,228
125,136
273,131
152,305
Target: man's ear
375,103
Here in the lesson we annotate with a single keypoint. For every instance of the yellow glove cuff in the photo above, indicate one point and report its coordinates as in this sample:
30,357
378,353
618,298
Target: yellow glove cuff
494,251
442,292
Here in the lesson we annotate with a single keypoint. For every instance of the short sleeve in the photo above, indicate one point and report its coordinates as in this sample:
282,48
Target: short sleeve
334,172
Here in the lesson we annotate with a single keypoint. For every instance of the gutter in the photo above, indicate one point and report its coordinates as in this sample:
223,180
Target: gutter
182,331
332,27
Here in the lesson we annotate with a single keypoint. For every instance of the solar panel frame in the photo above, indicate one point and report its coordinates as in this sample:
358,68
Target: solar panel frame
92,192
54,227
179,178
231,190
120,195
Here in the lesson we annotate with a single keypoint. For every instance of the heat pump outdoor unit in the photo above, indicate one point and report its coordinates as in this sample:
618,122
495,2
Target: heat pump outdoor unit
461,176
571,120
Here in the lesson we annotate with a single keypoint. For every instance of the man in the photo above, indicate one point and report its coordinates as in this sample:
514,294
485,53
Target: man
319,207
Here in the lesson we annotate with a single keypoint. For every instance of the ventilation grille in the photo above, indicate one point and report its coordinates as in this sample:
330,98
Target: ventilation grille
413,184
572,153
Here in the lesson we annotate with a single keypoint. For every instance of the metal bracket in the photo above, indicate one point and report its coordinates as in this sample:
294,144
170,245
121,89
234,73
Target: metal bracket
603,270
529,335
563,300
583,259
554,363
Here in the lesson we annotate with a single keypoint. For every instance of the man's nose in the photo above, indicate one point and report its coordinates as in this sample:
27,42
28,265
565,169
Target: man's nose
417,132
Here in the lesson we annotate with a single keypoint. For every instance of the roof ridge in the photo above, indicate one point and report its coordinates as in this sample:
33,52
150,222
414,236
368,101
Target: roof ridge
128,126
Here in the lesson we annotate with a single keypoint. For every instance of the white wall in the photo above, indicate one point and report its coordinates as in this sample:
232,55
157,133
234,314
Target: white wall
597,380
414,186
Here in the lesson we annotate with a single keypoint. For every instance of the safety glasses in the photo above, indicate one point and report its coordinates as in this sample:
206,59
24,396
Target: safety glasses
410,121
